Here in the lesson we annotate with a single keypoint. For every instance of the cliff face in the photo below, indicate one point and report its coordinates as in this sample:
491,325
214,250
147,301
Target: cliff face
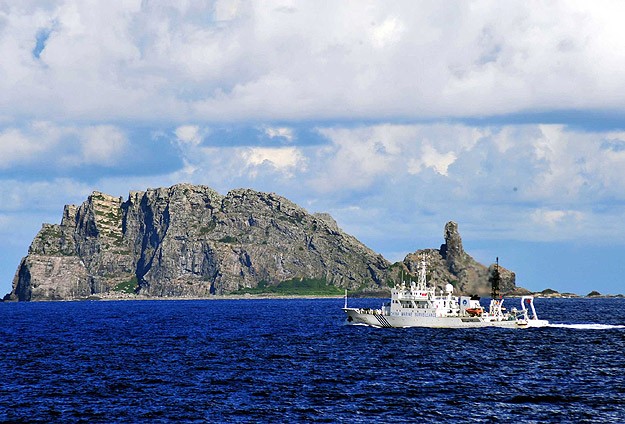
190,240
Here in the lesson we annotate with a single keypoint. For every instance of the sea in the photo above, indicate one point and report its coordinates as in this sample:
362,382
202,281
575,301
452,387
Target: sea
295,360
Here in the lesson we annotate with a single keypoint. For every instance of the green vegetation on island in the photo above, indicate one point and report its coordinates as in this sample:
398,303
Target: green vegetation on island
130,287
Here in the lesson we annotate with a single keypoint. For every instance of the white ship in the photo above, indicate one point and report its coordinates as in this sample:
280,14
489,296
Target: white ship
417,305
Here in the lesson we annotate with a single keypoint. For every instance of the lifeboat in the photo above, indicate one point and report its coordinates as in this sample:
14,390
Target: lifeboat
474,311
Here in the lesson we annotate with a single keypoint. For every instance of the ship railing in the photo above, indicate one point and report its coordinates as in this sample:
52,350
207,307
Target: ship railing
530,311
520,315
412,297
369,311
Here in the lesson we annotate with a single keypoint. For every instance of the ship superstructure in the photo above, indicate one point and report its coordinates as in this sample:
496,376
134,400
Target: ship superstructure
416,304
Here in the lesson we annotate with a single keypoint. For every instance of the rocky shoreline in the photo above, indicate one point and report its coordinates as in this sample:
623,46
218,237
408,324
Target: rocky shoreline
104,297
548,293
116,296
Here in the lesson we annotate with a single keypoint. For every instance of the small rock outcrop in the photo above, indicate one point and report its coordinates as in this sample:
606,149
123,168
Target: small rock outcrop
451,264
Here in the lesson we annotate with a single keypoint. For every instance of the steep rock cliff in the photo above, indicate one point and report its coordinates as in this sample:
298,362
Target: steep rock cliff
190,240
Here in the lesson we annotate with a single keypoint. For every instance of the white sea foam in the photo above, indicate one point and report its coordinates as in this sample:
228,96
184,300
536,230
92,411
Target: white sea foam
588,326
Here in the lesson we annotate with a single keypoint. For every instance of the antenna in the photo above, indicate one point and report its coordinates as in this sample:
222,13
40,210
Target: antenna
494,280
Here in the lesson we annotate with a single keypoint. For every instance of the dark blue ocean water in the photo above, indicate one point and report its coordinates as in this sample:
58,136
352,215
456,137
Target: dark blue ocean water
295,361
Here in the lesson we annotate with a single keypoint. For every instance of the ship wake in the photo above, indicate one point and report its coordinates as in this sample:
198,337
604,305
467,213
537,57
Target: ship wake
588,326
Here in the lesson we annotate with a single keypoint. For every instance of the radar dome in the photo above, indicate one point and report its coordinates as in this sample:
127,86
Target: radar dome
449,288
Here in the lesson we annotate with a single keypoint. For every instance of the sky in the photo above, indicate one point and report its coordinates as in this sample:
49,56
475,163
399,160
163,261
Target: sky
393,116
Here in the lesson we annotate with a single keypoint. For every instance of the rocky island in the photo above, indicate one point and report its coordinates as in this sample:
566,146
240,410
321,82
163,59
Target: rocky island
189,240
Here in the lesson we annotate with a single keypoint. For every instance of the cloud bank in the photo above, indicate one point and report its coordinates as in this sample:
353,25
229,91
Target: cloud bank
279,60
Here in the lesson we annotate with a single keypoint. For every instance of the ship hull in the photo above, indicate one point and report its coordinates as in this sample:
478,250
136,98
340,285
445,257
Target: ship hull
357,317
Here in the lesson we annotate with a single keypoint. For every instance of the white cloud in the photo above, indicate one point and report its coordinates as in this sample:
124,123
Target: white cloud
280,60
431,158
102,144
280,132
529,182
358,156
387,32
189,134
554,217
556,224
54,145
16,147
286,160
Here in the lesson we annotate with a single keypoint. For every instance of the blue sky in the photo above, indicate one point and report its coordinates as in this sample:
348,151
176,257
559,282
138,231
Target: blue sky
394,117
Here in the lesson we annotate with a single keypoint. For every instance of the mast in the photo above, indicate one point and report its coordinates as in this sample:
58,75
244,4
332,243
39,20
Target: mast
422,277
494,281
